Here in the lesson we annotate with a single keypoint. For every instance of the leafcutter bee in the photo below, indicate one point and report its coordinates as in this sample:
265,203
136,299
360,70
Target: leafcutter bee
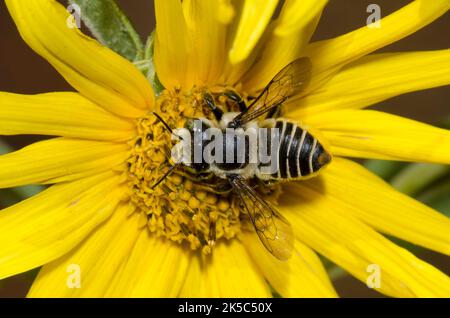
298,154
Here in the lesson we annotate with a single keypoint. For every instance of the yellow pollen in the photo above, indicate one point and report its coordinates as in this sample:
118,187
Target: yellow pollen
182,208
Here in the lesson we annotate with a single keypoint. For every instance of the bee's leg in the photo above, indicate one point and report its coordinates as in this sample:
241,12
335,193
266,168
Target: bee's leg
204,176
209,100
161,179
274,112
236,98
266,184
204,182
218,188
198,177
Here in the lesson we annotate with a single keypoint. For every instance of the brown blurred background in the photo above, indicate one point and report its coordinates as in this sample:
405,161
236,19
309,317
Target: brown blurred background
22,71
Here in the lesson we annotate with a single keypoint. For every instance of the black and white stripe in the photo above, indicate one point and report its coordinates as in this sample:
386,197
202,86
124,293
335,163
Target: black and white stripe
298,152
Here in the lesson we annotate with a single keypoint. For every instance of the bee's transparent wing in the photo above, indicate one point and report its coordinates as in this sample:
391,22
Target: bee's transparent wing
273,229
291,80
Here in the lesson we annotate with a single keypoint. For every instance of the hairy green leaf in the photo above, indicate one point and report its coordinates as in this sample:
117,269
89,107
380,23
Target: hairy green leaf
109,24
151,72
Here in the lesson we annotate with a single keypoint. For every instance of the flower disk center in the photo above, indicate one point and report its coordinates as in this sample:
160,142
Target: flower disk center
185,208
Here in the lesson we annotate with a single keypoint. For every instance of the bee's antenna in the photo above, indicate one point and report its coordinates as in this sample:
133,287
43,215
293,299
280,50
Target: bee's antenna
164,176
163,122
166,125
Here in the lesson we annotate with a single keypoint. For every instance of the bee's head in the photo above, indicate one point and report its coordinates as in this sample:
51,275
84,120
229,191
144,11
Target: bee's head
191,143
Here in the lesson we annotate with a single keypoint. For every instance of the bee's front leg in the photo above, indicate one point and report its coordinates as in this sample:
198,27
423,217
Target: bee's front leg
232,95
209,100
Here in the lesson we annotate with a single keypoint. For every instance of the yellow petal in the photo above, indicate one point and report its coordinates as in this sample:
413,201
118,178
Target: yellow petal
171,44
254,19
190,43
288,37
154,268
59,160
233,73
94,70
228,272
373,134
375,78
329,55
296,14
60,114
376,203
325,224
207,35
301,276
48,225
96,260
225,11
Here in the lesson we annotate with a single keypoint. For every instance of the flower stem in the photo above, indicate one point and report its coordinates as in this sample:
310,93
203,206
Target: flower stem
438,197
383,168
336,272
418,176
142,65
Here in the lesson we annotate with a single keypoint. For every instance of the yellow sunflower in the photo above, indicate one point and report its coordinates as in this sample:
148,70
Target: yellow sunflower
126,239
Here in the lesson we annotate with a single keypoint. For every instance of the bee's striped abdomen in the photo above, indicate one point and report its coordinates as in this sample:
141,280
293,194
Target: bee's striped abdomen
300,154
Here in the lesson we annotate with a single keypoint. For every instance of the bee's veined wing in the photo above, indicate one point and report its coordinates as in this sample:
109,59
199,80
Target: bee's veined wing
273,229
291,80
